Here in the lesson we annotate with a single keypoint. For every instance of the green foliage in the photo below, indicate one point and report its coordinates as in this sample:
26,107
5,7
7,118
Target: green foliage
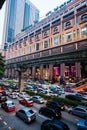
61,100
10,81
2,65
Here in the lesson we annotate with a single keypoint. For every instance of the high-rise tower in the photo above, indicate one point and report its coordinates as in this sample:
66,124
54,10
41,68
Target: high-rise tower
19,15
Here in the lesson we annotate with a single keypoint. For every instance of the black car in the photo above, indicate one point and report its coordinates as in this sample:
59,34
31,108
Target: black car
3,98
73,97
55,104
54,125
50,112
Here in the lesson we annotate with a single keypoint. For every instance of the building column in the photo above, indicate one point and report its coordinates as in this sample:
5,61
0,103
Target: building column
33,72
16,74
6,73
9,73
50,72
78,70
62,69
12,75
41,72
47,75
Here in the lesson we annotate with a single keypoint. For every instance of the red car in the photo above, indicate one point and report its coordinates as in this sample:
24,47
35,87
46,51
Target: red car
26,101
82,92
1,90
68,90
8,106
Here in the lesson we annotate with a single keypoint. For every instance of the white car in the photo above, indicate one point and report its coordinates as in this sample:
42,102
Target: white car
22,94
13,96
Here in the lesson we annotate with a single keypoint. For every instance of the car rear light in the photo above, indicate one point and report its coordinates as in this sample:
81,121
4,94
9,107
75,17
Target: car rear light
29,119
56,114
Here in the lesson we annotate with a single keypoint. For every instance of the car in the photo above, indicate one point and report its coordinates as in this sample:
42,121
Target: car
54,125
38,99
82,124
81,97
8,106
1,90
22,94
28,101
55,104
79,110
73,97
50,112
16,92
3,98
68,90
5,93
26,114
82,92
13,95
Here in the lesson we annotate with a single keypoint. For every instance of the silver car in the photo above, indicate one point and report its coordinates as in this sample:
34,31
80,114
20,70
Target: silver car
38,99
80,111
26,114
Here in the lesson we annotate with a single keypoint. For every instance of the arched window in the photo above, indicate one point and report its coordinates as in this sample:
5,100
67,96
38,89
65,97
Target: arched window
68,24
84,17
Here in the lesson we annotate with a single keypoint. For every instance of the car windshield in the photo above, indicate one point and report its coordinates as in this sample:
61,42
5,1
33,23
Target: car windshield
29,112
39,97
10,104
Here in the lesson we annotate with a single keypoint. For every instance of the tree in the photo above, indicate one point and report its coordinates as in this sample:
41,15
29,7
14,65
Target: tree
2,65
21,68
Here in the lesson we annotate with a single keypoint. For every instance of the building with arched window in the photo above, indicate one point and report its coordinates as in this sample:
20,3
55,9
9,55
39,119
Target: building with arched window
57,45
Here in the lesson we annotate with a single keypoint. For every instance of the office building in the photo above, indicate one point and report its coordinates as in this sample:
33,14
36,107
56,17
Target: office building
19,15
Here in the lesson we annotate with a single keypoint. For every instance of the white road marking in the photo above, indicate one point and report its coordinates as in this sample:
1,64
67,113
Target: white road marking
0,118
5,123
9,128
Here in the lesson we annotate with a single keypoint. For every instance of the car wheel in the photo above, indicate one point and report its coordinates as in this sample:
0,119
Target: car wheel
16,114
70,112
24,120
40,112
42,128
52,117
86,117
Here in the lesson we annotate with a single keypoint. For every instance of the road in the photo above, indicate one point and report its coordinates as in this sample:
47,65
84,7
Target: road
8,121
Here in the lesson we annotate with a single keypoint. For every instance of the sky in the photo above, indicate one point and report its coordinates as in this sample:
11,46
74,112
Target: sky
44,6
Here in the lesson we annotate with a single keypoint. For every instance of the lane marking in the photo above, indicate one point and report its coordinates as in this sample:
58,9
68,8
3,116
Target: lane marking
5,123
10,128
0,118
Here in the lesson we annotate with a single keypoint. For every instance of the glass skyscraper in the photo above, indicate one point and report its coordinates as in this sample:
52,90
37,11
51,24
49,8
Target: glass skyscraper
19,15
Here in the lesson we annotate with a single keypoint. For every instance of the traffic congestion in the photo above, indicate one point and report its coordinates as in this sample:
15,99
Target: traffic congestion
35,112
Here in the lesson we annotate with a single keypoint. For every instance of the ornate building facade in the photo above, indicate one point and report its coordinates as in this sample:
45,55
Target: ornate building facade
57,45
